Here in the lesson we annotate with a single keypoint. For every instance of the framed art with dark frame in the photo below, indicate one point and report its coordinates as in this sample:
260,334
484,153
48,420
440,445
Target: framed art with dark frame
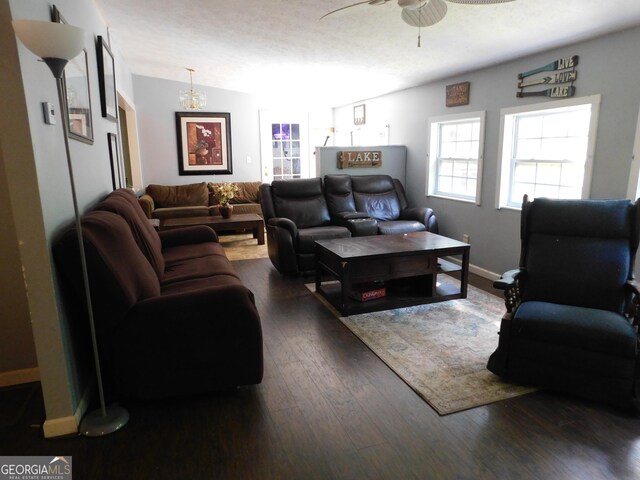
75,81
204,143
106,79
117,172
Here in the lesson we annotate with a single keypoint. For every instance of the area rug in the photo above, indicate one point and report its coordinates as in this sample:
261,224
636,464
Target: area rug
440,350
242,247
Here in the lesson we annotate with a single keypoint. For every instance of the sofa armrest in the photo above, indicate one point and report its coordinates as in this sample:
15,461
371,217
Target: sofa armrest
147,204
213,334
285,223
507,279
187,236
423,215
508,282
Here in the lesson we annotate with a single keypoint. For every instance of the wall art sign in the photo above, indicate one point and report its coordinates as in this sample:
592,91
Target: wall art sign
204,143
359,159
562,81
457,94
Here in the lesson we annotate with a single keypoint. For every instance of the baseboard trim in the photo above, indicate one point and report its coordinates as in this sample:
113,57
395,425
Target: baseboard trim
60,427
482,272
18,377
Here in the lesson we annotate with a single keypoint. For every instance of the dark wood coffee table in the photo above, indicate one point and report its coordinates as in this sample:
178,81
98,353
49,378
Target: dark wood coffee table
406,265
240,221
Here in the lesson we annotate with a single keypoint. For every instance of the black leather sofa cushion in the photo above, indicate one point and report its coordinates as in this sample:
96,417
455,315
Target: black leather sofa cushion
338,192
302,201
376,195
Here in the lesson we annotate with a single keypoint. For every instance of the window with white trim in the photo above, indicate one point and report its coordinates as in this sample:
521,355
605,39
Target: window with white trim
547,150
455,156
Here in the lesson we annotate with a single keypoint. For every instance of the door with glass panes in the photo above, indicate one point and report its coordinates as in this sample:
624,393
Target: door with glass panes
284,145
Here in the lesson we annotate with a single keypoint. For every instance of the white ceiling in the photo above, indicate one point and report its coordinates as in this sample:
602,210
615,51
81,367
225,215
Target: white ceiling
281,48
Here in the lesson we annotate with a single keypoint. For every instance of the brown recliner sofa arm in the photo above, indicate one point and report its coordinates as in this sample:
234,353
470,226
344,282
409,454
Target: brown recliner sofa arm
189,341
147,204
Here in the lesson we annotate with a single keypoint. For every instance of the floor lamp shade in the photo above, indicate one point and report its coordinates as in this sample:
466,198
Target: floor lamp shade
50,39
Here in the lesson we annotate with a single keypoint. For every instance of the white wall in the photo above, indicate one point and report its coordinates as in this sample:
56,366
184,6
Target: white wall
609,66
156,104
394,161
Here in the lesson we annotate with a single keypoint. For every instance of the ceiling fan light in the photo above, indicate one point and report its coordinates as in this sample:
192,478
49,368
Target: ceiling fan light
425,16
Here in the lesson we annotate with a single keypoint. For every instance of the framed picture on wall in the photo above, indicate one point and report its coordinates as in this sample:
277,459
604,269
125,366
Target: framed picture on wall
359,115
106,80
204,143
75,81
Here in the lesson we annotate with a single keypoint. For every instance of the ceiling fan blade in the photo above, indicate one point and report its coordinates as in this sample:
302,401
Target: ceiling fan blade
479,2
370,2
425,16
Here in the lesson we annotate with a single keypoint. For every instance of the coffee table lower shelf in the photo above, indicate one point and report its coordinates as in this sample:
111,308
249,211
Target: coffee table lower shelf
394,298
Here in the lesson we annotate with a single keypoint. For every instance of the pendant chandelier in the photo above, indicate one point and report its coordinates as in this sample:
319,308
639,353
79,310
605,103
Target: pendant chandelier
192,99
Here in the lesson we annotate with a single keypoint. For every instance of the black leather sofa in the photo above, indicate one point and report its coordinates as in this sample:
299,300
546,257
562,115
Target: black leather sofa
299,212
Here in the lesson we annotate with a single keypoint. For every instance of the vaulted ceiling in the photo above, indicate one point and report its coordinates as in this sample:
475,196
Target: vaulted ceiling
281,48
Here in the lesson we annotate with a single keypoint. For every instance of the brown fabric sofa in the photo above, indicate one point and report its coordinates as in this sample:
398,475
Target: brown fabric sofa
196,199
172,317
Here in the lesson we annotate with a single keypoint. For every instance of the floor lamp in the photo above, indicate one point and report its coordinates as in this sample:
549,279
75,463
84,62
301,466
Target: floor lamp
56,44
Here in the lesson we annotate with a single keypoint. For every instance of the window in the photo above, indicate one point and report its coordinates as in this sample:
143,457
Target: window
285,150
455,156
284,145
547,150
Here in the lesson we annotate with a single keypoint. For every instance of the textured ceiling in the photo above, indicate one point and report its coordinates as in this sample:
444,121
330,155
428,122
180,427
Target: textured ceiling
281,48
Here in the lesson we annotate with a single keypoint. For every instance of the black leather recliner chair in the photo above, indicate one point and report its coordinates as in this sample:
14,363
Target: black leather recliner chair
296,215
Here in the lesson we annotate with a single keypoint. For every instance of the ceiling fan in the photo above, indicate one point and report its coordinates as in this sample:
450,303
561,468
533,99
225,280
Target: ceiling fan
420,13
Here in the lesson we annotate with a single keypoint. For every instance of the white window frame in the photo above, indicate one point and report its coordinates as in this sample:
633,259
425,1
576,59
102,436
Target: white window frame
633,190
434,142
506,143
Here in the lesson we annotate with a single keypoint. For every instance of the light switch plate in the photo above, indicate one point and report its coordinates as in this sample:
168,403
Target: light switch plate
49,113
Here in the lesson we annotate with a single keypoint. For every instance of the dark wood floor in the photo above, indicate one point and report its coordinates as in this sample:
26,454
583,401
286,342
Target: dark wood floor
328,408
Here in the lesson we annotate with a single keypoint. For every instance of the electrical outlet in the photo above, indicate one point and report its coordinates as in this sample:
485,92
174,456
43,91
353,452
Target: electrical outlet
248,159
465,238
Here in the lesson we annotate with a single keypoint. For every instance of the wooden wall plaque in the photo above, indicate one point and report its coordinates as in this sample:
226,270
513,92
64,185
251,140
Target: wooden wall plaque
359,159
458,94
